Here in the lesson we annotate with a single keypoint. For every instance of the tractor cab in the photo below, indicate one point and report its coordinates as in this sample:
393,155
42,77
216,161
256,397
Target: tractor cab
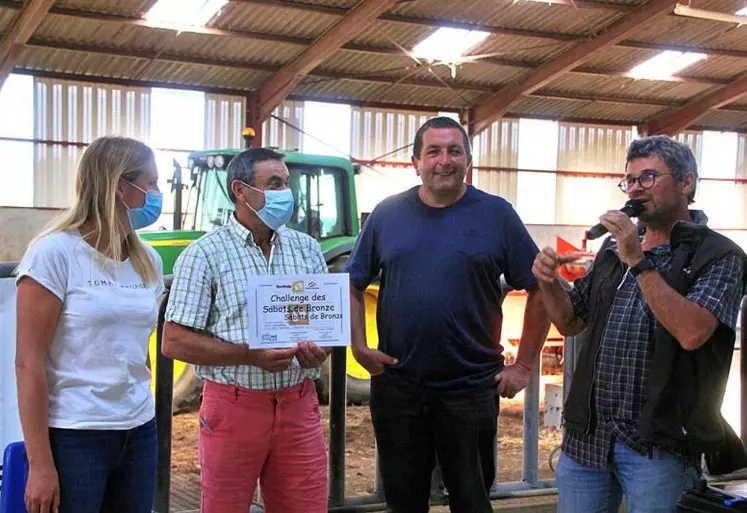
322,186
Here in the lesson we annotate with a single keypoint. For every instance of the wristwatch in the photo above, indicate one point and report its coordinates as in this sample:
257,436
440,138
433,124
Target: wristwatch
644,265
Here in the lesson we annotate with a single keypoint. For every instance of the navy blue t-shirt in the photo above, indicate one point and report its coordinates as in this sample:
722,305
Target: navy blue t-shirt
439,298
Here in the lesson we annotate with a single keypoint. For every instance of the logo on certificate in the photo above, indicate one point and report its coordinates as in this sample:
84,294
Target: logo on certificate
298,287
298,314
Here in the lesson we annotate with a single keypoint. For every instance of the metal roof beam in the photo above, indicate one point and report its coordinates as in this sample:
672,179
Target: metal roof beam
500,103
21,29
677,119
278,87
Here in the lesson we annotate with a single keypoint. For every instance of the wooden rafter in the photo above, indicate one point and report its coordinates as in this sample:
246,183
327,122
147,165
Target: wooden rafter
677,119
22,28
501,102
280,85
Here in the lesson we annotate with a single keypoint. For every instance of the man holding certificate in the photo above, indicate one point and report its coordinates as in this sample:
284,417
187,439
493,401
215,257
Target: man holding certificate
259,417
441,249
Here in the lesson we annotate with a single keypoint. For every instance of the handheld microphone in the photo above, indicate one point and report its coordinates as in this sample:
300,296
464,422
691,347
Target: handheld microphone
632,208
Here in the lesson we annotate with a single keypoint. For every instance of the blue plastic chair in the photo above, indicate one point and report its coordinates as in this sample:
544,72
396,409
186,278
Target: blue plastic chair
15,472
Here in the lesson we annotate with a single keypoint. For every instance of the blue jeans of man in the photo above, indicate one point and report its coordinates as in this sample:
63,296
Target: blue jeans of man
650,485
106,471
415,426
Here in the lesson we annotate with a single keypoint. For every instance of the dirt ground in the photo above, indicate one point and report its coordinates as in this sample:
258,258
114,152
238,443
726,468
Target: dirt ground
359,454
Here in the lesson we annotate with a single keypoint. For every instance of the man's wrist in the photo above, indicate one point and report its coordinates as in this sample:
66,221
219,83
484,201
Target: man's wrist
644,265
523,365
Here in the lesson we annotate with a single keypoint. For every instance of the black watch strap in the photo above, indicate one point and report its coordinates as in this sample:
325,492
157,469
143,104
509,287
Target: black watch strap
644,265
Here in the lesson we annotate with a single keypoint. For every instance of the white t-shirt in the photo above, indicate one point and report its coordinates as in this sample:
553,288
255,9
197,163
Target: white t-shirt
96,370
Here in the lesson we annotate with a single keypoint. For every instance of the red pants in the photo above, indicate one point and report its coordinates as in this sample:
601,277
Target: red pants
274,436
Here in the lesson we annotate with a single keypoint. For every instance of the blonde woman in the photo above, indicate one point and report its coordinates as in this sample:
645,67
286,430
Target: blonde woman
86,305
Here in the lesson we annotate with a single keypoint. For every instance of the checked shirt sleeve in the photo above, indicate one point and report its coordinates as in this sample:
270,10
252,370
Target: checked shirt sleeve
719,290
191,292
579,295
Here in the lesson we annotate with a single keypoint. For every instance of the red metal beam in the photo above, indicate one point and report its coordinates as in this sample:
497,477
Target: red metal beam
275,90
676,120
500,103
21,29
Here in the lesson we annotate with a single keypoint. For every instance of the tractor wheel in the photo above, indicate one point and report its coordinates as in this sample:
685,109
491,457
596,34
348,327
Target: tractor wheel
358,390
187,391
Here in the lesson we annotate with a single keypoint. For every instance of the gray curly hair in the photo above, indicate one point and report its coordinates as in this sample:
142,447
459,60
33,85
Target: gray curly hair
678,156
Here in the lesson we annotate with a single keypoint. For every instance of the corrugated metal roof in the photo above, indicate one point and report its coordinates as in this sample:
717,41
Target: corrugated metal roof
580,109
6,18
65,61
127,7
234,49
526,15
397,66
724,119
381,93
275,20
627,87
261,56
207,76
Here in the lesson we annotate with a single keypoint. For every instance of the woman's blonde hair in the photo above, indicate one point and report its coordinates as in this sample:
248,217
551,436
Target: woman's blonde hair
104,162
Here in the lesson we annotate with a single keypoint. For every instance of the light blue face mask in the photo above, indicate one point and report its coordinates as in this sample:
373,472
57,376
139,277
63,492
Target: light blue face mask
278,207
150,211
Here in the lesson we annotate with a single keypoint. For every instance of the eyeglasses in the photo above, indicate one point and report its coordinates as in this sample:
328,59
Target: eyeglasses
646,181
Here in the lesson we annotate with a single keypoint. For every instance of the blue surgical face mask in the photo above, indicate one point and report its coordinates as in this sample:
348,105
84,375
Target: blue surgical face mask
147,214
278,207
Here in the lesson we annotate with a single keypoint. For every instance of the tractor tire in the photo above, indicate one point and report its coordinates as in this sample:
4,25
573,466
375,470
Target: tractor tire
187,392
358,390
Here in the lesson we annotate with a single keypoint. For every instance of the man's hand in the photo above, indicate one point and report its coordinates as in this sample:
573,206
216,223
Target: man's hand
272,360
373,361
628,243
547,262
310,355
512,380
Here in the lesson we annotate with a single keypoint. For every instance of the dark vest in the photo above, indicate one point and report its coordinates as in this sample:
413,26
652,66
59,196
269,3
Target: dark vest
685,389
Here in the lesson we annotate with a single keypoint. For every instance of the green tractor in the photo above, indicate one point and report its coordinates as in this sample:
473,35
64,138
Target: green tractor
326,208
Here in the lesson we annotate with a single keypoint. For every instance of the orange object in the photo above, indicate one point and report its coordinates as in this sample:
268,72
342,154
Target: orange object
573,270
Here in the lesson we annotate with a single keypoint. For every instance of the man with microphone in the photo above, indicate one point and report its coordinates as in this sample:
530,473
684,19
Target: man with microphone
660,313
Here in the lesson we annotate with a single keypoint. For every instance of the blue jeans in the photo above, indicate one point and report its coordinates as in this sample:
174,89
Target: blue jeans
415,426
650,485
106,471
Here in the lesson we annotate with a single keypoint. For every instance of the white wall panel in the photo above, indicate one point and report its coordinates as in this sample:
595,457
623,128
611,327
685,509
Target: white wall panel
79,112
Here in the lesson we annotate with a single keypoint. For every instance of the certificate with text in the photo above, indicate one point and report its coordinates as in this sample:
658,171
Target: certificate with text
286,310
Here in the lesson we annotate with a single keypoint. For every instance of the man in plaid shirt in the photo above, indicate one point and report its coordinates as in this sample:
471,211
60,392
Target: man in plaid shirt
609,457
259,417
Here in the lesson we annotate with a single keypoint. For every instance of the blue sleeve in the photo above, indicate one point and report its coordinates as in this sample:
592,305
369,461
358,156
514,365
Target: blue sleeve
521,252
364,263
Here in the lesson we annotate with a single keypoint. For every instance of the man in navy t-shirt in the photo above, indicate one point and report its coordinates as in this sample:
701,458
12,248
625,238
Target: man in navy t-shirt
441,249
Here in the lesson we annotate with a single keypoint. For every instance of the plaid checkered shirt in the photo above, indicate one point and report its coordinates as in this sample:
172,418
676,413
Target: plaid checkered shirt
209,294
625,350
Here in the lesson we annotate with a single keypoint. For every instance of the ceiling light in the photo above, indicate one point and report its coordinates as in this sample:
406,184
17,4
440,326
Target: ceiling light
665,64
185,12
448,44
